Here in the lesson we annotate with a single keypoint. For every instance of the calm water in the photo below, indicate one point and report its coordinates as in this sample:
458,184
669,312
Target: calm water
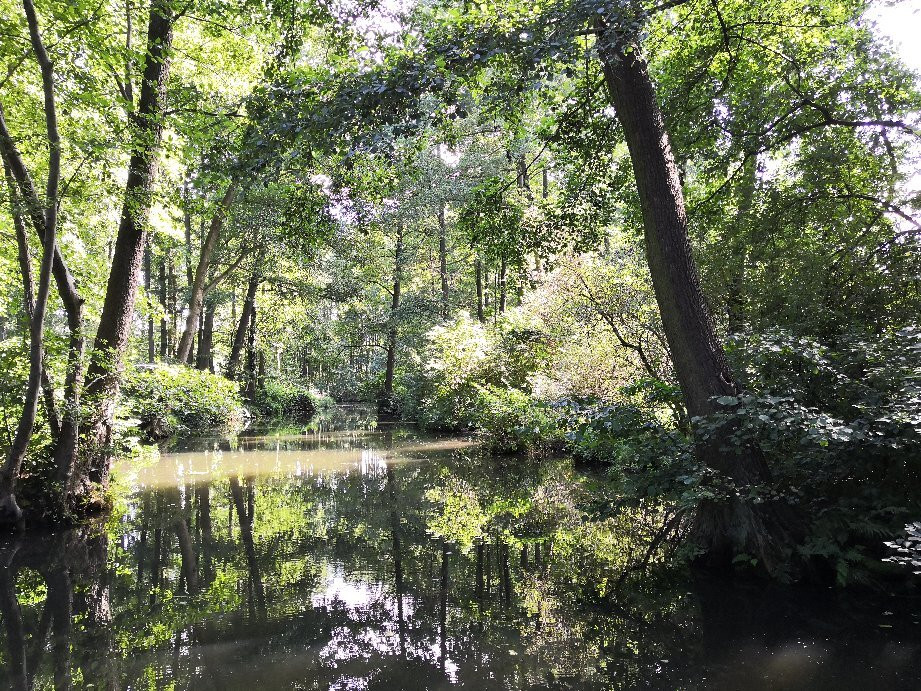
365,558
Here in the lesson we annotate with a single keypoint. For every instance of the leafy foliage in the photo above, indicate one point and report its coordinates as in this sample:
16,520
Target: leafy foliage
172,399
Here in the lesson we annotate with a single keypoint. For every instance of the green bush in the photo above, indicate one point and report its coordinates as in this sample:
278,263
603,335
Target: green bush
174,399
278,399
510,420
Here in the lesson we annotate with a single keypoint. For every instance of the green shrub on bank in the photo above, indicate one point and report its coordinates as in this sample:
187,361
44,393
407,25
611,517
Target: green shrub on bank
175,399
510,420
478,380
278,399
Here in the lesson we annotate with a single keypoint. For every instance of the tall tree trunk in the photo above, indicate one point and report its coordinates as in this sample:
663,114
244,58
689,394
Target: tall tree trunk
164,323
386,399
118,308
246,316
250,374
503,270
204,359
723,528
151,347
197,290
443,262
478,267
9,509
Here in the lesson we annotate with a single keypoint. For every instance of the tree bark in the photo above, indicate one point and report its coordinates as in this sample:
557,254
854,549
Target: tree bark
9,475
197,291
723,528
118,308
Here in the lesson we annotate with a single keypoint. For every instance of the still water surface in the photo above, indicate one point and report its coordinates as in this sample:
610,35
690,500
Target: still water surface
365,557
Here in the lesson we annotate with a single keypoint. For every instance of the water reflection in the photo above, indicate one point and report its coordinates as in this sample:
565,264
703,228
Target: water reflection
374,559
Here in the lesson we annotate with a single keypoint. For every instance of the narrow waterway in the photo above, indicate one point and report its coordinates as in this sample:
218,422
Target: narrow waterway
358,556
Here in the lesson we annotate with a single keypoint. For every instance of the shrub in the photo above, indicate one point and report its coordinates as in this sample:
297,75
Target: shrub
510,420
278,399
174,399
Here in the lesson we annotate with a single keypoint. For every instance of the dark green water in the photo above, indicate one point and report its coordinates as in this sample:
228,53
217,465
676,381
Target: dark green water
370,559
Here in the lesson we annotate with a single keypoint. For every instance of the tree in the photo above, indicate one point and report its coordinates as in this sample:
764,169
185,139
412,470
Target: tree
118,308
9,510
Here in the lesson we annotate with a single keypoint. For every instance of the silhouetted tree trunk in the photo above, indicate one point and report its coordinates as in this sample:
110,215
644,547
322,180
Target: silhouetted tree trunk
60,600
203,494
204,359
28,293
723,528
118,307
443,601
65,447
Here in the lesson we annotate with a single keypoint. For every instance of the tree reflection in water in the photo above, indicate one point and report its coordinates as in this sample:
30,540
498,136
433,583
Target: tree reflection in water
376,560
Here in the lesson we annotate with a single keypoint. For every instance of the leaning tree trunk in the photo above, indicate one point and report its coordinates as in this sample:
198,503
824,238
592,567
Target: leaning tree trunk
197,293
118,308
9,475
733,526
